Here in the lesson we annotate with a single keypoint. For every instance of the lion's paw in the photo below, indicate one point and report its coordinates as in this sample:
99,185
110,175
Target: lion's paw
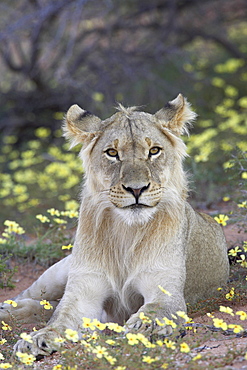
146,326
42,343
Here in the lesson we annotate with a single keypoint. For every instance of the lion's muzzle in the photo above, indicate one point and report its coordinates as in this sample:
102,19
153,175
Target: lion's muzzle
136,192
123,196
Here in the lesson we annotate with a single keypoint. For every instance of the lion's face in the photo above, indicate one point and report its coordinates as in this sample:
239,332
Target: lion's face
130,159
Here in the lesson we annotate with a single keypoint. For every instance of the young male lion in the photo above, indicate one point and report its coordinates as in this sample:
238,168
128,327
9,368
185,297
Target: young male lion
136,230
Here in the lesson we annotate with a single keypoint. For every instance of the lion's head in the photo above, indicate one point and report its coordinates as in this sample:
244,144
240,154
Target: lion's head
133,160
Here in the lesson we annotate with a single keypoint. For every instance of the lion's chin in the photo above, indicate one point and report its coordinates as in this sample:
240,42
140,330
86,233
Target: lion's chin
135,215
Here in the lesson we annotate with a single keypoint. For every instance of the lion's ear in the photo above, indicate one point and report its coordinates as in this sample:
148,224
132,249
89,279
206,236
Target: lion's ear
80,126
176,115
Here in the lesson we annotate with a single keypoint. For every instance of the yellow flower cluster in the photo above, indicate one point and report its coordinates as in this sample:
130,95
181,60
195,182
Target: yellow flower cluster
26,358
12,228
35,173
96,324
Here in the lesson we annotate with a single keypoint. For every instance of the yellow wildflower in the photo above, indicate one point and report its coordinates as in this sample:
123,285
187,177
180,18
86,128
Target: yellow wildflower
144,318
87,323
5,365
120,368
242,315
59,221
69,246
219,323
26,358
169,344
164,366
26,337
159,322
145,341
183,315
242,261
197,357
245,247
149,360
10,301
86,345
110,359
6,326
100,351
234,251
243,204
42,218
59,340
184,347
99,325
53,212
170,322
190,327
210,315
46,304
94,336
12,227
164,290
57,367
42,132
222,219
226,310
115,327
231,294
110,342
132,339
73,214
236,328
71,335
2,341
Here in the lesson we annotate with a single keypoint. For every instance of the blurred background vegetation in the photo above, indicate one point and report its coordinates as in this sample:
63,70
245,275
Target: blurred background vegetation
96,53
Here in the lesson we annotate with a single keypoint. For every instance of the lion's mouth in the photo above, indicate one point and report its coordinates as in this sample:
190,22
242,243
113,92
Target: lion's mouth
137,206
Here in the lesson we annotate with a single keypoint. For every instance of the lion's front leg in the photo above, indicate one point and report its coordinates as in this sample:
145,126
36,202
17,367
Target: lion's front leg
163,294
84,297
50,286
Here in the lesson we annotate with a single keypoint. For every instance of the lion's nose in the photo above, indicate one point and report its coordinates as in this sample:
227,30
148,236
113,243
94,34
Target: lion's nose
136,192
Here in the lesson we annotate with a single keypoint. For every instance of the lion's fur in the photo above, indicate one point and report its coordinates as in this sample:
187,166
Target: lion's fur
136,230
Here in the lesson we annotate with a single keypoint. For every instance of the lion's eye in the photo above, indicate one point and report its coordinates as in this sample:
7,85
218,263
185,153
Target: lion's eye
112,152
154,151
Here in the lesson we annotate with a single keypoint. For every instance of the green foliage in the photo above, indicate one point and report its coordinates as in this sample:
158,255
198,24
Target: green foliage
6,273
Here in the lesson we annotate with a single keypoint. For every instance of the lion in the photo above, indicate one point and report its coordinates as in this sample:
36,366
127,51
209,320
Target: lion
136,231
